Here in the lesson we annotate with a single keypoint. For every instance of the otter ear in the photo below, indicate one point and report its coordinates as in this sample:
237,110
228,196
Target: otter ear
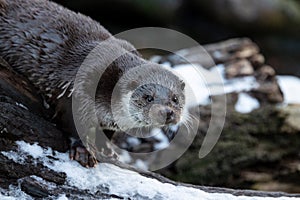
132,85
182,85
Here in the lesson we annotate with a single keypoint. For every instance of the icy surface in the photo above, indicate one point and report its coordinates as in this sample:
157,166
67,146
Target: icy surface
246,103
290,86
119,181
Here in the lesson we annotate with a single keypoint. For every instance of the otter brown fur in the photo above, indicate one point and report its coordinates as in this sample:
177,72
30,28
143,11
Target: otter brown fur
47,44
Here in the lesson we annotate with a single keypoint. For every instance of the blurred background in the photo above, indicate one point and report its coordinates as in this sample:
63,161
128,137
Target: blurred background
255,150
273,24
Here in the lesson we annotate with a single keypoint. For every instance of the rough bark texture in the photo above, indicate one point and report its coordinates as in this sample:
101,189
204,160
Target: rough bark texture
23,117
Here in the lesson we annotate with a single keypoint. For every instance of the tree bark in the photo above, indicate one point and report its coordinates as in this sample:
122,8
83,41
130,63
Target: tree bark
25,117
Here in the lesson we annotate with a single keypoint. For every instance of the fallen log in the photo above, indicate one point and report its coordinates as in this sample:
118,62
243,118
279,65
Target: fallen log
32,165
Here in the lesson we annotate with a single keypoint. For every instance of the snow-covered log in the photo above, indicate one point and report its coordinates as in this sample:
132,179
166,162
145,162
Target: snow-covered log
34,164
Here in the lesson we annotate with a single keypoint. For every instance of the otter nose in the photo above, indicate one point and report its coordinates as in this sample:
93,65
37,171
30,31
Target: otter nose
169,115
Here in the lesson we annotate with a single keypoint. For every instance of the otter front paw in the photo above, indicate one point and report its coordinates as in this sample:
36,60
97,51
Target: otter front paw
79,153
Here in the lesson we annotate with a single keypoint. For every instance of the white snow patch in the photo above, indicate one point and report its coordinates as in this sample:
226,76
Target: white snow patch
161,137
133,141
246,103
290,86
246,83
4,197
196,90
155,59
124,157
203,83
14,156
166,65
140,164
34,150
62,197
123,182
174,128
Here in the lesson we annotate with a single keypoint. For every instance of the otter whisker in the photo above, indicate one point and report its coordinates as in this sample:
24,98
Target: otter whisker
187,127
188,123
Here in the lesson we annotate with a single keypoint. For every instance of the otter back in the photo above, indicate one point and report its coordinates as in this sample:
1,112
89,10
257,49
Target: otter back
40,39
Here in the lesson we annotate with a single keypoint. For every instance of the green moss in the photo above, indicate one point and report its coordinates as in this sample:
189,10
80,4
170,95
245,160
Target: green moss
248,142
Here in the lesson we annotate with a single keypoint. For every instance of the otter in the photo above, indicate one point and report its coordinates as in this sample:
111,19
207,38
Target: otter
47,43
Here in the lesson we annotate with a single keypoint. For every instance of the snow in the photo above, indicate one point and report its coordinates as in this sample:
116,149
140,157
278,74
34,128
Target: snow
14,156
35,150
197,92
203,83
290,86
119,181
62,197
3,197
140,164
124,157
133,141
14,193
246,103
246,83
166,65
161,137
155,59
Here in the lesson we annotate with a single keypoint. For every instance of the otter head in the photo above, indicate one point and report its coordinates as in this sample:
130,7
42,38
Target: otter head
149,96
155,105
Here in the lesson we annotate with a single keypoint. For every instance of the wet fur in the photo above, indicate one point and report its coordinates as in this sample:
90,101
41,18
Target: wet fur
47,43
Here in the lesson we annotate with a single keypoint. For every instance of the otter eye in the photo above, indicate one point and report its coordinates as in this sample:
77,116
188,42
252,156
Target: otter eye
175,99
149,98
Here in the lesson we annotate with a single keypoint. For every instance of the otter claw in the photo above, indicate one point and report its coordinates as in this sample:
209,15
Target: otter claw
81,154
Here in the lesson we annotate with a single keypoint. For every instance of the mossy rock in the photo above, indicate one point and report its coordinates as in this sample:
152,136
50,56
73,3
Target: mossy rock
253,143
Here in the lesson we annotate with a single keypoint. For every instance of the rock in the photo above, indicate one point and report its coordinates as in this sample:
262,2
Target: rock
268,90
265,73
241,57
292,121
227,51
239,68
253,150
256,148
257,60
